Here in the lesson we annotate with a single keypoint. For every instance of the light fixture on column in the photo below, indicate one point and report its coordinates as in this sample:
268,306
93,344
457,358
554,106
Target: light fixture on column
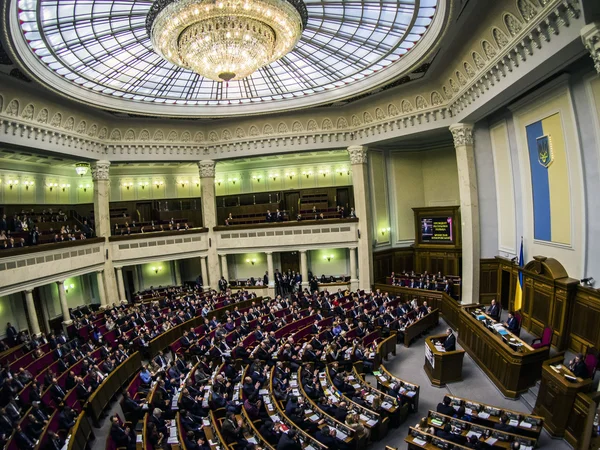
82,168
51,186
328,257
66,287
251,261
324,172
64,186
290,175
27,184
143,184
156,269
159,183
12,183
86,186
257,178
307,173
385,230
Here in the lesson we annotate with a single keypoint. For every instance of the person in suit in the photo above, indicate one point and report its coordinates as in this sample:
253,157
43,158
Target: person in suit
121,435
66,418
494,310
232,431
445,408
56,392
450,342
512,324
54,441
446,433
578,367
289,441
11,334
503,424
23,441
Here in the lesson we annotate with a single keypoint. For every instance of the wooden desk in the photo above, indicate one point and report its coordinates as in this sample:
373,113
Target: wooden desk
440,366
512,370
421,326
557,395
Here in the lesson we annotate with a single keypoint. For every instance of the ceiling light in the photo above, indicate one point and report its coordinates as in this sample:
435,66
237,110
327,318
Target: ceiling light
82,168
225,40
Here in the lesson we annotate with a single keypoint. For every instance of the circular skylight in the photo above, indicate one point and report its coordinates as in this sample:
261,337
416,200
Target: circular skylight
98,51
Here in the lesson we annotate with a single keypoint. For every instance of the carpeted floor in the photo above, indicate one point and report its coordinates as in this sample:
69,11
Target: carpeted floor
408,365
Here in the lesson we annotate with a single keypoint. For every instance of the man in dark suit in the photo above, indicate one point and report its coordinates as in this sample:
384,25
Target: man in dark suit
288,441
120,435
66,418
503,424
24,442
450,342
57,393
494,310
11,334
445,408
446,433
512,324
578,367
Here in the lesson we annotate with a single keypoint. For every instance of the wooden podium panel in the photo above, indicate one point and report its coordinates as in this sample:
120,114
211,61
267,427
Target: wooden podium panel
557,395
440,366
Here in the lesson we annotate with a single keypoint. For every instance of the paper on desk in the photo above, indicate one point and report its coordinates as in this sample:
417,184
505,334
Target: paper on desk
411,393
173,440
491,441
340,435
371,422
419,442
139,438
206,422
525,424
370,398
263,392
483,415
513,422
364,418
386,405
356,386
314,418
252,440
472,433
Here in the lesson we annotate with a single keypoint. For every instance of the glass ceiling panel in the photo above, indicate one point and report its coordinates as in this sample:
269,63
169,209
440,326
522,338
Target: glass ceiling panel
103,46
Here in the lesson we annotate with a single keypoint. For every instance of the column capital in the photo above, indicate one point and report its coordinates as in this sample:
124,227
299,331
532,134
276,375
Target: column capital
60,282
207,168
302,251
358,154
101,271
462,133
590,35
268,253
100,170
28,291
119,269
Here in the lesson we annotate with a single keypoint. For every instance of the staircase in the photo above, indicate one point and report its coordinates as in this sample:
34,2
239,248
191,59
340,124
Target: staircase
530,397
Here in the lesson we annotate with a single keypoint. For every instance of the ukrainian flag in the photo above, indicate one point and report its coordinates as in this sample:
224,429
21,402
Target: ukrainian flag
549,180
519,293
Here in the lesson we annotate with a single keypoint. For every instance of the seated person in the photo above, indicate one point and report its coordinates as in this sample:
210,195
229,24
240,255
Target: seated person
512,324
445,408
494,310
503,424
578,367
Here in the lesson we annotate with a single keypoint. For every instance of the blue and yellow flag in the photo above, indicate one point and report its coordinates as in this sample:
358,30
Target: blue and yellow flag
519,292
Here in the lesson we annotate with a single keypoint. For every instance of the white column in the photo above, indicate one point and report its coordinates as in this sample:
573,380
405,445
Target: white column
204,272
353,273
304,268
100,176
101,292
271,274
469,211
209,219
590,35
224,267
177,272
63,303
121,284
362,206
33,320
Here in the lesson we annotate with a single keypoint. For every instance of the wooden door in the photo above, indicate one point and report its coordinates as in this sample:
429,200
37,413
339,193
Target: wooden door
290,261
143,212
343,198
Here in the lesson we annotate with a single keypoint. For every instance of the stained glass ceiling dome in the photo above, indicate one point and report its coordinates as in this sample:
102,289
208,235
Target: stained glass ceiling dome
99,52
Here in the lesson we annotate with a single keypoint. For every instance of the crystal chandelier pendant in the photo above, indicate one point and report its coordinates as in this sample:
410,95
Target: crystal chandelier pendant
225,40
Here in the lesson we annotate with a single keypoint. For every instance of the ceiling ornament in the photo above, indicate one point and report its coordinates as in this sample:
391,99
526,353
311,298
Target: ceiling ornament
225,40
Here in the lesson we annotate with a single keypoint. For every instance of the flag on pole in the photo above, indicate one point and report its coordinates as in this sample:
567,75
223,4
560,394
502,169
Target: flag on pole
519,293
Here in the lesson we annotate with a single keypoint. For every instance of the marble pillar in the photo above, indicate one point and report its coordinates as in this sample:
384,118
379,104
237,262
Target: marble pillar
271,274
353,272
100,176
209,219
121,283
101,291
469,211
204,271
33,320
177,272
304,268
224,268
64,306
590,35
362,206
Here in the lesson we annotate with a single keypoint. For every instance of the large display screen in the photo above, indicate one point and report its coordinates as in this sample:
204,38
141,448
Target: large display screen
437,230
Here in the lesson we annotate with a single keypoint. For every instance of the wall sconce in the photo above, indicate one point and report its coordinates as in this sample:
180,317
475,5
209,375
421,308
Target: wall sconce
12,183
143,184
290,175
324,172
341,171
52,186
27,184
232,180
307,173
273,176
385,230
65,186
197,183
127,185
67,287
156,269
328,257
218,181
257,178
183,183
158,183
251,261
85,187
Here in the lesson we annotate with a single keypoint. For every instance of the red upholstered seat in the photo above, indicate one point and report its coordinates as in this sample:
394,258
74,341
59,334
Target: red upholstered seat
545,340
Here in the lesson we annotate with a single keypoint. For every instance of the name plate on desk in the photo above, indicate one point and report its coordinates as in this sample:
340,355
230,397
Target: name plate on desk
429,356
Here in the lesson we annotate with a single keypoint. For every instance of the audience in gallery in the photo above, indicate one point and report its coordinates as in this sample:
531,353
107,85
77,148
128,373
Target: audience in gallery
432,282
283,216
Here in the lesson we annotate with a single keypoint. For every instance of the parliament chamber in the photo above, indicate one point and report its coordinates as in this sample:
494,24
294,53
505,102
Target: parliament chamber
299,224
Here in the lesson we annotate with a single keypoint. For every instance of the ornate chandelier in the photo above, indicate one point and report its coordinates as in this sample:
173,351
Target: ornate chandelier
225,39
